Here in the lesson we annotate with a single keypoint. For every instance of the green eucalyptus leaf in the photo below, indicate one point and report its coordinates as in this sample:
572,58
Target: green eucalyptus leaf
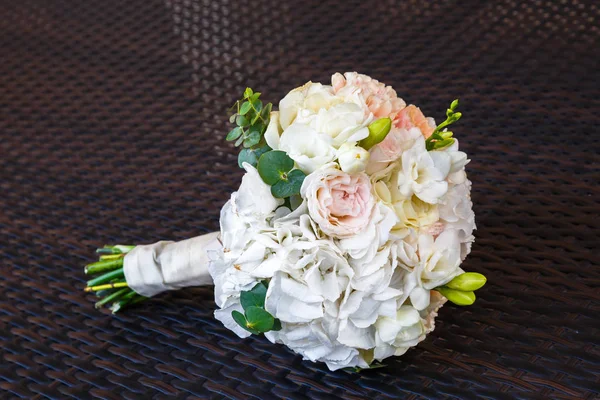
254,297
252,138
295,201
239,141
241,320
266,112
234,134
273,165
254,97
457,297
258,105
276,325
251,156
248,93
288,186
246,106
242,121
467,282
259,319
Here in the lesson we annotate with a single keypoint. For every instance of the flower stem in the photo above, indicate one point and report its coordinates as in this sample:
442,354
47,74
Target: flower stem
106,286
111,297
107,277
103,266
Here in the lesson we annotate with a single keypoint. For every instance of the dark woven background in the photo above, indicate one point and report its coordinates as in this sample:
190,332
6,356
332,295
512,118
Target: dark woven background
112,119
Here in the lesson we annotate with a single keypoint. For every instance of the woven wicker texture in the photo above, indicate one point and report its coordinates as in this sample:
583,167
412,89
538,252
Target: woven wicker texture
112,122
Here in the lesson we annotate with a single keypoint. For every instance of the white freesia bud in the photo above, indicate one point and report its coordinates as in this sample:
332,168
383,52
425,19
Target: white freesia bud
352,158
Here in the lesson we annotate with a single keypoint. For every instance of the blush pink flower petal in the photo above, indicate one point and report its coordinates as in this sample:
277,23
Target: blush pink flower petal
341,204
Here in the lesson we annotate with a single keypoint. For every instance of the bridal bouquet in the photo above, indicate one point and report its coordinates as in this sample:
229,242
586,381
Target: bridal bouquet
344,238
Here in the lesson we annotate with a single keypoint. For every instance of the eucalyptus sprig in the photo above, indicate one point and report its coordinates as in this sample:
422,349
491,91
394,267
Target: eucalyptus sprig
252,119
255,318
442,138
460,290
110,284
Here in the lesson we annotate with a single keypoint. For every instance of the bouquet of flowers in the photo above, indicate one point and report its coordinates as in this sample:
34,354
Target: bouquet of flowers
344,238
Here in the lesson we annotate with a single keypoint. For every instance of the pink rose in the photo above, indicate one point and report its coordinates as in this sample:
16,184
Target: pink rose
341,204
411,117
381,100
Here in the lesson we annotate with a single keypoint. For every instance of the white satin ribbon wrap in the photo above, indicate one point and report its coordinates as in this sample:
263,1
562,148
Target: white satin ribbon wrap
155,268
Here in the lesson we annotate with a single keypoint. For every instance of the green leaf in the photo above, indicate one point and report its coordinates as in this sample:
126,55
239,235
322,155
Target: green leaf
234,134
457,297
378,130
254,97
289,186
232,118
295,201
240,319
251,156
254,297
266,112
258,105
273,165
239,141
454,104
248,93
252,139
246,106
467,282
259,319
276,325
242,121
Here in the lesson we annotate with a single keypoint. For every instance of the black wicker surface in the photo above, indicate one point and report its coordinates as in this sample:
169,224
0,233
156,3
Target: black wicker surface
112,123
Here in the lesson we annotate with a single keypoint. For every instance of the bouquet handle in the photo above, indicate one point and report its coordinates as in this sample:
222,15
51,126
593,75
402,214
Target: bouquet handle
166,265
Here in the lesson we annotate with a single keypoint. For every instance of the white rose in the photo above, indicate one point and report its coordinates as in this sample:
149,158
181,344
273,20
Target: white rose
344,123
352,158
311,96
308,148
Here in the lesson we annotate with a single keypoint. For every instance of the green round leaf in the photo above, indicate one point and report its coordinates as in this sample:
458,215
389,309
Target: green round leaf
234,134
273,165
276,325
252,139
266,112
239,318
251,156
467,282
457,297
242,121
258,105
289,185
254,297
259,319
246,106
248,93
